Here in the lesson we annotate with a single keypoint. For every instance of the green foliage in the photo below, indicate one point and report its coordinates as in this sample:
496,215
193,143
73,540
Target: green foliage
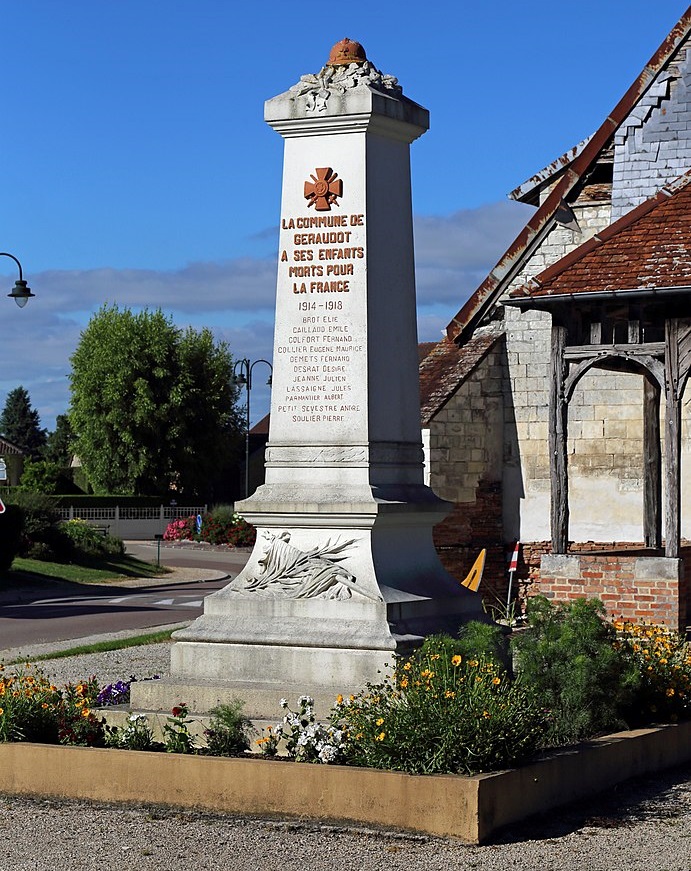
442,713
486,639
223,514
20,423
87,541
176,733
58,448
569,655
663,661
229,730
152,406
44,476
11,528
41,536
134,735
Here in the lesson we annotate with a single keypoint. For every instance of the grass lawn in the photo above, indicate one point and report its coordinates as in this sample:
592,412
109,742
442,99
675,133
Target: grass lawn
26,571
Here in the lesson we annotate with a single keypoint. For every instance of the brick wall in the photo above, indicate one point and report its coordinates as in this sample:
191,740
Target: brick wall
630,582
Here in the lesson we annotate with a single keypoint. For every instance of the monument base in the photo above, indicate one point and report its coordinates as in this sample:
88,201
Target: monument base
297,622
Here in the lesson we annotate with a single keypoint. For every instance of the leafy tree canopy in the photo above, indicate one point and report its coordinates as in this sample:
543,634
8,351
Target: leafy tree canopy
152,406
20,423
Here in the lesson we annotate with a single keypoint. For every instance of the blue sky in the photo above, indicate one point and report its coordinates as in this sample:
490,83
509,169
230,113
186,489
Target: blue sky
138,169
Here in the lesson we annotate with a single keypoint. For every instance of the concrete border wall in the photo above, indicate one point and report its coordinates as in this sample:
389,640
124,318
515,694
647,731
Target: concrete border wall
468,808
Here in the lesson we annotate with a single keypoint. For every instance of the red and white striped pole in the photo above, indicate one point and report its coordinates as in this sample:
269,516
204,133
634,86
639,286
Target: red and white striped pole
513,565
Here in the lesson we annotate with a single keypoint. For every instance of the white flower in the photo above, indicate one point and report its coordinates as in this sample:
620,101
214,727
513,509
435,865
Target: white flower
284,703
328,753
305,700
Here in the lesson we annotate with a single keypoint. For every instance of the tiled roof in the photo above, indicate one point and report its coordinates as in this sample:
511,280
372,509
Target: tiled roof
544,218
448,365
423,349
8,448
649,247
261,427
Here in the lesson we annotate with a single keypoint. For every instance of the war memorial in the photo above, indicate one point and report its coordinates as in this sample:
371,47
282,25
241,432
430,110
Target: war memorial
344,573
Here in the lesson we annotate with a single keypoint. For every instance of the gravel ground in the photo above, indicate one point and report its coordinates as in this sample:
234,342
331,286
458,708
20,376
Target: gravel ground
643,825
638,826
108,667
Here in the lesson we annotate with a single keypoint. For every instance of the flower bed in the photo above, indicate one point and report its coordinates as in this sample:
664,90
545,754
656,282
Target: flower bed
221,525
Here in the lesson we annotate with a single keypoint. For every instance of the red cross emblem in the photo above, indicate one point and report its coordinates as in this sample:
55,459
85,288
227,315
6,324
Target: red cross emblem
324,189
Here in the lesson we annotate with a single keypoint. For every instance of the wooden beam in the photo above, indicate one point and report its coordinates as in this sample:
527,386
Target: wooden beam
652,465
583,352
672,440
558,425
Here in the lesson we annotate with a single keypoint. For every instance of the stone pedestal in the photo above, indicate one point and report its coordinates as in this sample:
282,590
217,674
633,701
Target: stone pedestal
344,572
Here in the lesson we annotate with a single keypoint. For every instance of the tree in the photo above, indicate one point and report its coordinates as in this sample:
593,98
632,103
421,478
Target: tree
58,448
152,406
21,424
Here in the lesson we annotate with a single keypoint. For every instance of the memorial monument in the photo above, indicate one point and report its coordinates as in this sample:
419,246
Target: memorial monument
344,572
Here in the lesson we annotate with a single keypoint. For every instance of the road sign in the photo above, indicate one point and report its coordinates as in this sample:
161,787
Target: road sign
2,507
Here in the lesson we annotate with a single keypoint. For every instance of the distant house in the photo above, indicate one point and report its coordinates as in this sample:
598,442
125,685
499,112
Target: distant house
486,386
13,459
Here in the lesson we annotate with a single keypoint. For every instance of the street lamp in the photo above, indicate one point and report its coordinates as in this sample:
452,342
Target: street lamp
242,377
21,292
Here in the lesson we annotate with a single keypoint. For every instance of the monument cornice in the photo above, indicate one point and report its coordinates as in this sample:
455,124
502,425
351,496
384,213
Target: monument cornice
361,122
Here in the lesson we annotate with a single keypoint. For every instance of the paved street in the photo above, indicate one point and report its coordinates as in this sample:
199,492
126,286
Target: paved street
60,612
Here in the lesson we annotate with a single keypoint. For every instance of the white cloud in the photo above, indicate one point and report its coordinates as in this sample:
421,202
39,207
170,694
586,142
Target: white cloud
234,298
454,253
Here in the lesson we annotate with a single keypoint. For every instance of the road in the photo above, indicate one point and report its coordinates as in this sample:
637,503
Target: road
71,611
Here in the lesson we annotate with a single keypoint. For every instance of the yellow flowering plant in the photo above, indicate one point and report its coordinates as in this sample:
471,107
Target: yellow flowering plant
439,711
28,701
663,660
33,709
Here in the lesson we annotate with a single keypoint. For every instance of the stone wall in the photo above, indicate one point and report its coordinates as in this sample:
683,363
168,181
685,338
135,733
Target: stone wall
466,435
466,469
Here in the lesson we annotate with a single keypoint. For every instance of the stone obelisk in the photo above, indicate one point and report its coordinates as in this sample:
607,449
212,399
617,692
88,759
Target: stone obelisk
344,572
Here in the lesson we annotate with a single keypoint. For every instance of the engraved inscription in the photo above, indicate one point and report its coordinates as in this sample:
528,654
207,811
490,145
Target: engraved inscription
322,263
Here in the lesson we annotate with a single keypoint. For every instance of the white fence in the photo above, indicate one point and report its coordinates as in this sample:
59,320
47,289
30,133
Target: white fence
133,524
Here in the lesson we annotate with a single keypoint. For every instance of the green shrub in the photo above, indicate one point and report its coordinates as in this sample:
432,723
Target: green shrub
89,542
44,476
41,537
223,514
442,714
229,730
568,654
11,528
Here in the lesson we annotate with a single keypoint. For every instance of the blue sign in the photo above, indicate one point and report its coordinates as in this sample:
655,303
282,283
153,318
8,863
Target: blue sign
199,523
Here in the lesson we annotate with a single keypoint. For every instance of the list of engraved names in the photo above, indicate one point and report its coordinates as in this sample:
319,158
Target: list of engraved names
322,257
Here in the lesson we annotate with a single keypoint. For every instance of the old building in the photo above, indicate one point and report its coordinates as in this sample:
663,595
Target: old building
486,387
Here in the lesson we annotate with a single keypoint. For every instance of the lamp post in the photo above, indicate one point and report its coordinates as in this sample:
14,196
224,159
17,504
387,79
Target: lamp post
21,292
242,377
